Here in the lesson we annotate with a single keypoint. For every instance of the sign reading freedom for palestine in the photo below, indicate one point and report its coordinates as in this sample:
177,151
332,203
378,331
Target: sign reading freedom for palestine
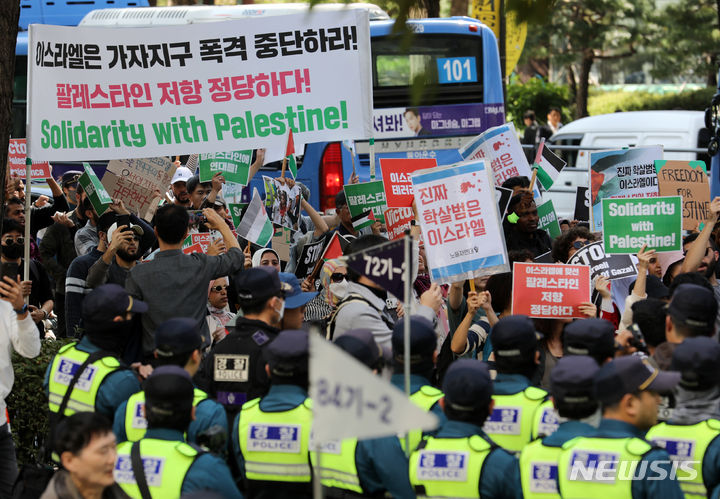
198,88
628,224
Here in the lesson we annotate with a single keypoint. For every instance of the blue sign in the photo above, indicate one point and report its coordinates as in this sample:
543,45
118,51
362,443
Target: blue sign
456,70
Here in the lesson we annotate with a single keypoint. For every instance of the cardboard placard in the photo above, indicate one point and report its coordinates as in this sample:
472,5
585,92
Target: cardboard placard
550,290
687,179
137,199
281,241
628,224
397,179
148,173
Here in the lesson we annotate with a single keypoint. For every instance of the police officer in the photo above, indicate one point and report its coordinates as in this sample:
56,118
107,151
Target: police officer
90,370
178,342
521,412
234,371
593,337
618,461
571,387
461,460
161,462
271,435
295,301
691,434
373,467
422,362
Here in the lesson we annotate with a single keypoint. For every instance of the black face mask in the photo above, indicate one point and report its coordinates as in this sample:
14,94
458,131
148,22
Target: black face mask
12,251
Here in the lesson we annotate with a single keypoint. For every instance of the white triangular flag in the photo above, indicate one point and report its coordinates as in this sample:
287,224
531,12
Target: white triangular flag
350,401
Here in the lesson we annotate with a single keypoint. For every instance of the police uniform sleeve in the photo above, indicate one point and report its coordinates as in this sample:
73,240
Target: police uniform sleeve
209,472
661,486
208,413
711,465
501,476
382,465
119,423
235,438
115,390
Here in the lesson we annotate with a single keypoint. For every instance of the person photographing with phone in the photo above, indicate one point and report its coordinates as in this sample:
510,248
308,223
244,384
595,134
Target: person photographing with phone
17,332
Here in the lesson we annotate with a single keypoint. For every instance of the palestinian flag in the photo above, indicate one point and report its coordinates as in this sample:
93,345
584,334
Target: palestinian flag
364,219
292,165
335,247
255,225
548,166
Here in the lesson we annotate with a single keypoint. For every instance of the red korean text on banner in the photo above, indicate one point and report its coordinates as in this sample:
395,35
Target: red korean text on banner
550,290
195,248
396,178
397,221
204,240
17,156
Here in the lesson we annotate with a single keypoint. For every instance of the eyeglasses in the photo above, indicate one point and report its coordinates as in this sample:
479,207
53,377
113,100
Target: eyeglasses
580,244
337,277
219,288
9,240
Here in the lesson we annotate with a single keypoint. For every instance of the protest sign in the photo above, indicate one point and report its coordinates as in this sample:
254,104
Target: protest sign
547,219
282,238
286,204
137,199
383,264
687,179
309,256
459,221
16,161
270,191
501,150
628,224
545,258
601,264
366,196
237,192
396,179
99,198
203,239
550,290
368,407
397,221
503,196
148,173
236,210
622,173
166,90
192,248
234,166
582,205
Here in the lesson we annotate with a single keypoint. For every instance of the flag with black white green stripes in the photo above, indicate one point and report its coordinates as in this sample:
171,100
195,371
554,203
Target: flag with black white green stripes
548,166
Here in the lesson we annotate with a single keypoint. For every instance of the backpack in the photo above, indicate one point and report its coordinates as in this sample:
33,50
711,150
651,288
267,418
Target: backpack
352,298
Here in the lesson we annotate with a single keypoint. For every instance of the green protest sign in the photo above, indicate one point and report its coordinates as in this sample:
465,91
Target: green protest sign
99,198
366,196
234,165
628,224
236,210
547,219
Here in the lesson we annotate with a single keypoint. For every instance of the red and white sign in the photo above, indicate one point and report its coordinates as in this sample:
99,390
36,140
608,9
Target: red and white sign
397,221
550,290
396,174
195,248
17,155
204,240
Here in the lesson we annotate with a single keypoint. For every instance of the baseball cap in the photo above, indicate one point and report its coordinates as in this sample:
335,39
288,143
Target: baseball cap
219,201
360,343
514,337
295,298
106,221
168,390
257,283
631,374
176,336
694,306
467,385
136,228
698,361
593,336
106,302
70,178
287,355
571,380
422,339
182,174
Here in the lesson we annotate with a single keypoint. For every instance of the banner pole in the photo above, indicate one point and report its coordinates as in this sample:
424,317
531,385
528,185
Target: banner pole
372,159
317,482
406,324
28,196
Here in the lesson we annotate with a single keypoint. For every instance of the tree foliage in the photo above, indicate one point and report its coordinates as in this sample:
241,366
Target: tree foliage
537,95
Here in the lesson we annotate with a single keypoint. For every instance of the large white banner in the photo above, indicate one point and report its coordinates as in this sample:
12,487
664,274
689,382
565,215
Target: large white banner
116,93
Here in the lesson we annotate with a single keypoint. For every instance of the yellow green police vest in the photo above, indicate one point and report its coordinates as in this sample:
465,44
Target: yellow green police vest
448,467
687,444
515,418
275,445
425,398
539,470
166,462
545,421
337,467
135,422
67,361
581,477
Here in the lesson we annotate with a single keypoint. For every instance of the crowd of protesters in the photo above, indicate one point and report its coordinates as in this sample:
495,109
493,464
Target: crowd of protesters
188,373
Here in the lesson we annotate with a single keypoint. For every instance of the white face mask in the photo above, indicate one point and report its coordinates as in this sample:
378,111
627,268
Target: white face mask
339,289
281,311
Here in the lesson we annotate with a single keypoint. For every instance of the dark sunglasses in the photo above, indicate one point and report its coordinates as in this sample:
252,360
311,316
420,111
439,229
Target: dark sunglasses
219,288
337,277
580,244
9,240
